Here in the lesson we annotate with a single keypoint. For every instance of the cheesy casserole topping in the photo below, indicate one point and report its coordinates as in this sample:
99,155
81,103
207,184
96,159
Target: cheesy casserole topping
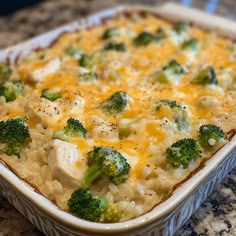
118,114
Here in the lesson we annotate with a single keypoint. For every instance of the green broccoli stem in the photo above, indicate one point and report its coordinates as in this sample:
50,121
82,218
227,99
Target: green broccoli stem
104,203
60,134
13,149
92,173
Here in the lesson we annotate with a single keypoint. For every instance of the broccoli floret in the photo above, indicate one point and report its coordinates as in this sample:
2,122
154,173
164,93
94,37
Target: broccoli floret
145,38
191,45
93,208
92,61
181,119
105,161
5,72
167,102
74,128
183,152
210,135
206,76
13,133
114,75
124,130
180,115
161,33
120,47
172,72
74,51
88,77
11,90
49,95
174,68
86,61
116,103
181,27
112,32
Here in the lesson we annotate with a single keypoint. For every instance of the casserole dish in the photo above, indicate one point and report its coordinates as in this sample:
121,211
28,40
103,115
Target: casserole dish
99,229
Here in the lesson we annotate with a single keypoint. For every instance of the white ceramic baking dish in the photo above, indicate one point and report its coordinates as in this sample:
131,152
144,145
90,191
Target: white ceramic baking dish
166,217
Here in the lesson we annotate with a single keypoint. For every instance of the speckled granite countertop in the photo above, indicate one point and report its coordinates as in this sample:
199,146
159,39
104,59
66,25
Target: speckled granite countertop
217,215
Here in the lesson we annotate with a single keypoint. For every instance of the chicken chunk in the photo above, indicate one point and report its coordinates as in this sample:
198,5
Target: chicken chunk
72,106
66,163
39,74
50,113
104,129
43,111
